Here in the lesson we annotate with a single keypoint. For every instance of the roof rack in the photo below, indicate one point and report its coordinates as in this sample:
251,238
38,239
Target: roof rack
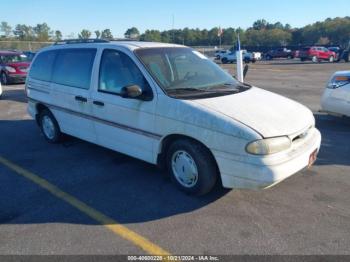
80,41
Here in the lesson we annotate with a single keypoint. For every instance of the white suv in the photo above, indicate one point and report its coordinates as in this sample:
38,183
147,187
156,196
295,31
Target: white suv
170,105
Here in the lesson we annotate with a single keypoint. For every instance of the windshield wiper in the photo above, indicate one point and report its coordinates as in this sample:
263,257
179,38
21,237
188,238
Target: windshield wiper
183,89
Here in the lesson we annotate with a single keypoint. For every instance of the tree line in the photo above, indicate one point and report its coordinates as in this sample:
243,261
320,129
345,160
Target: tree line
334,31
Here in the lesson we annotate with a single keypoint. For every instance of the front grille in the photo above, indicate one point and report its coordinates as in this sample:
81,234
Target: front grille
301,136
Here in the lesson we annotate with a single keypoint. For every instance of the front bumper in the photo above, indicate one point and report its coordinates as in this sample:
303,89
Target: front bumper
267,171
17,78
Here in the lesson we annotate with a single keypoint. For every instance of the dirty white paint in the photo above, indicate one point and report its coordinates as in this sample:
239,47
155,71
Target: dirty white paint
225,125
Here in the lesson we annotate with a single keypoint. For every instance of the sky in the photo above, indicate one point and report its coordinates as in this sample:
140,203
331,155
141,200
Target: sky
71,16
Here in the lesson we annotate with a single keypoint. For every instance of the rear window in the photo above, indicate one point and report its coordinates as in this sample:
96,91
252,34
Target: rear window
73,67
41,69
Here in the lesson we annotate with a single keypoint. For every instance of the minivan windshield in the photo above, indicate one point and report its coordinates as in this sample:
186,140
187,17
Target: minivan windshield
182,71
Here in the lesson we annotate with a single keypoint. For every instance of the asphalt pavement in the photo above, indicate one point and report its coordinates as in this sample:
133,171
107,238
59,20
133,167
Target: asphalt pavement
307,214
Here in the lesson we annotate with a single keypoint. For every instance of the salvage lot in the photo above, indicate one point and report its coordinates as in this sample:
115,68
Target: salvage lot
307,214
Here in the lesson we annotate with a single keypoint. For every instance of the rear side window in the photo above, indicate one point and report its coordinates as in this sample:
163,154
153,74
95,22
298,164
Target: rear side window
73,67
41,68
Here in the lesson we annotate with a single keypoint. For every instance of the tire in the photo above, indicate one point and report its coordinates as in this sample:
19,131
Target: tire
268,57
289,57
315,59
331,59
302,59
191,167
4,78
49,127
224,60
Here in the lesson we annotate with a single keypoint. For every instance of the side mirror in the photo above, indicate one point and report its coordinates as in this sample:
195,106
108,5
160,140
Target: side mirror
131,91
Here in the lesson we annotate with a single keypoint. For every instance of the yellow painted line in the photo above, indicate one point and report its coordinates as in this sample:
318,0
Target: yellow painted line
106,221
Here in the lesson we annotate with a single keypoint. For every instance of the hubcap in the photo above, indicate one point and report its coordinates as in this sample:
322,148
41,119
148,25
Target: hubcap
184,169
48,127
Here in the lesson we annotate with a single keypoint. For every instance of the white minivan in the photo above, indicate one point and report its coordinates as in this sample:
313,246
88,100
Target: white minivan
169,105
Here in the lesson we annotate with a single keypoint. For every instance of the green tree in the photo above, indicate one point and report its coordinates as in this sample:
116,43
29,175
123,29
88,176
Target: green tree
106,34
97,34
84,34
24,32
42,32
229,37
6,29
58,35
132,33
260,24
151,36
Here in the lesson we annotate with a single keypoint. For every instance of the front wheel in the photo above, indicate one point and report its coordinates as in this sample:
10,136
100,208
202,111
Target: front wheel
192,167
4,78
331,59
224,60
346,58
49,127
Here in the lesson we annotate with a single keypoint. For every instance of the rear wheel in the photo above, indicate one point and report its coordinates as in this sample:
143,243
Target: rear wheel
192,167
331,59
315,59
224,60
49,127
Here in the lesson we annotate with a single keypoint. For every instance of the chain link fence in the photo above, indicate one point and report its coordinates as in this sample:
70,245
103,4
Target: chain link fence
23,45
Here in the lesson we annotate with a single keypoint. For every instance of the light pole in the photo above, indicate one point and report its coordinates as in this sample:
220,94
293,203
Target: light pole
239,58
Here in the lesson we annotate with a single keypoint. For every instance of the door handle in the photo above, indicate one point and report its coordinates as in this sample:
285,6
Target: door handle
81,99
98,103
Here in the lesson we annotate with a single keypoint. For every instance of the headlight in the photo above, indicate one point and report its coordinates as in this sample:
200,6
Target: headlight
10,69
268,146
338,81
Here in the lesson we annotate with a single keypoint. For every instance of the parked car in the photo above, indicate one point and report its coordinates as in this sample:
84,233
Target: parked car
256,56
220,53
341,54
13,67
231,57
295,53
170,105
317,54
336,97
29,54
279,53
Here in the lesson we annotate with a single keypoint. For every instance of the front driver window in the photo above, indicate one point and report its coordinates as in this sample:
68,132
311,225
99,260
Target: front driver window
117,70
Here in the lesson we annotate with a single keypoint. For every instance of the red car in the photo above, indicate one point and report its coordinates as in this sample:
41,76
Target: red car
317,54
13,67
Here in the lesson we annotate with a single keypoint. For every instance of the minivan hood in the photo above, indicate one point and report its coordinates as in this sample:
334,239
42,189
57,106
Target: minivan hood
267,113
